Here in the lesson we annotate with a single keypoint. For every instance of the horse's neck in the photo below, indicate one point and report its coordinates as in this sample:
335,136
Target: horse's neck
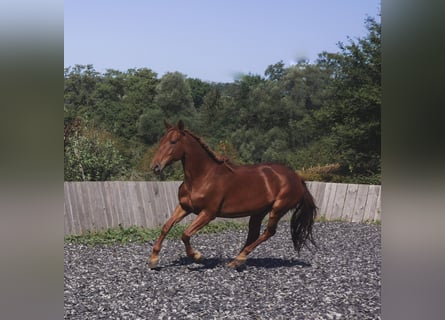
197,162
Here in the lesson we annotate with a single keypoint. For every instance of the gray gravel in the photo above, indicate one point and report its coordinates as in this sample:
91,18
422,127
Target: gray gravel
339,280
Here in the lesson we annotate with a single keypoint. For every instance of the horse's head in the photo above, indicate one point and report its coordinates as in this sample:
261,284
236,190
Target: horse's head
170,148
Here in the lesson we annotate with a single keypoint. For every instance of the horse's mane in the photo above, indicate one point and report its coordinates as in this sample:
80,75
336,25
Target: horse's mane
218,158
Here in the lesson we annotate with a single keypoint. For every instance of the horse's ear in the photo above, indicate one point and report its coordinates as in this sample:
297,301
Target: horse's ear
180,125
167,125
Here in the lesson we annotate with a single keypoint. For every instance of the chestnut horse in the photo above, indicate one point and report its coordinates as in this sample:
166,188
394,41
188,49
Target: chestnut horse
215,187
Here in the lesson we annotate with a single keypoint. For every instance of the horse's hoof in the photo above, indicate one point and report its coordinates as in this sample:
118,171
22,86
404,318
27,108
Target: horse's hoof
153,263
197,256
236,263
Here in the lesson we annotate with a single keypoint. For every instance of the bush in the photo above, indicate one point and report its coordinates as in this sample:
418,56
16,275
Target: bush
91,156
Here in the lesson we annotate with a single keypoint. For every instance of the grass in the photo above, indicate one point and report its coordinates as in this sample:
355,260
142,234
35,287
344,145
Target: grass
123,235
324,219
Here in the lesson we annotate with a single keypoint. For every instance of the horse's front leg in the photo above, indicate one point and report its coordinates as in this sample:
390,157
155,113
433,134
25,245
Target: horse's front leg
177,216
201,220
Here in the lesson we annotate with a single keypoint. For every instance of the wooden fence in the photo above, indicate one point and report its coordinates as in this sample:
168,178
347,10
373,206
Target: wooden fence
102,205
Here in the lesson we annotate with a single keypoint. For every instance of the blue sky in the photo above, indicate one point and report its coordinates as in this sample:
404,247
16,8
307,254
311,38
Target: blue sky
212,40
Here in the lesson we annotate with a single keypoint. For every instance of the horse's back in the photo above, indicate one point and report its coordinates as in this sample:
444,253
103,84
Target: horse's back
273,174
257,187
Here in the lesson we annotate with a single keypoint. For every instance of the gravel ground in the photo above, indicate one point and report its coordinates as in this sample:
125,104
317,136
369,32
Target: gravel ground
339,280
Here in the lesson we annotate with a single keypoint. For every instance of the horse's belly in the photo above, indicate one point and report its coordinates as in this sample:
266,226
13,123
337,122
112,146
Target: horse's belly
243,213
242,206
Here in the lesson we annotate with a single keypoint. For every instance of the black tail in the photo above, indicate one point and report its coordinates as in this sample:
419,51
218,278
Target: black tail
302,220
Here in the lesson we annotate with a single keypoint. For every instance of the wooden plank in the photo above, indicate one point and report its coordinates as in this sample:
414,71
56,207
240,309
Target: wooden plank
152,202
378,211
111,212
133,205
166,210
320,194
66,219
140,203
149,202
328,199
67,215
120,204
90,193
351,195
89,199
98,205
331,201
103,205
68,210
113,202
82,203
324,202
88,222
157,206
127,209
76,208
360,203
148,196
160,201
339,202
371,203
171,194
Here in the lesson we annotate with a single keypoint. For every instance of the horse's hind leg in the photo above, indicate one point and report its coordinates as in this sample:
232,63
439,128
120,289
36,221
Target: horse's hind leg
254,228
270,230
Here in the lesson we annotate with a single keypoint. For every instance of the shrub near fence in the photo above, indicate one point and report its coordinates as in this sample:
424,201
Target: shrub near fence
101,205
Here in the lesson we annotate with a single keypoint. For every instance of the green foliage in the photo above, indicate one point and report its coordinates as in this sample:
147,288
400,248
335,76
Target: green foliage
304,115
198,90
275,72
134,234
91,155
353,116
151,126
173,96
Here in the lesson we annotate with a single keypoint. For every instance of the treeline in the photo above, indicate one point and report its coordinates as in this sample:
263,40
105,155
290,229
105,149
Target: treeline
321,118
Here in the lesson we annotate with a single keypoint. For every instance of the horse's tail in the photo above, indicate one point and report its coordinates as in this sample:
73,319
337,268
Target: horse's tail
302,220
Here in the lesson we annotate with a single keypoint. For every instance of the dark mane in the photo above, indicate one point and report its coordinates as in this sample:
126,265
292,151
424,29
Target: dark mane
211,153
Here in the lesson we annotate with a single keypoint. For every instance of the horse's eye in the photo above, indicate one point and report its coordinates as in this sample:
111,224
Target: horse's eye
173,141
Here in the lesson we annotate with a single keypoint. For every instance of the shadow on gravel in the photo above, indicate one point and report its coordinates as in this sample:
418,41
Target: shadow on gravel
275,263
211,263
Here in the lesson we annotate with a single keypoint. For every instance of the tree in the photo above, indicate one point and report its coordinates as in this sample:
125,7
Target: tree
80,84
173,96
173,100
198,89
275,72
151,125
353,114
140,89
